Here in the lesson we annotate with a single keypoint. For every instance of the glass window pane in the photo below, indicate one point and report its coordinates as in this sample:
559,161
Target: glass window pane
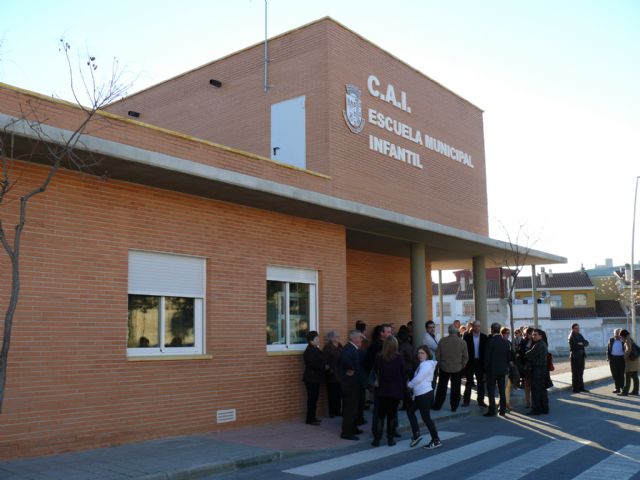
579,300
276,312
298,312
144,321
179,328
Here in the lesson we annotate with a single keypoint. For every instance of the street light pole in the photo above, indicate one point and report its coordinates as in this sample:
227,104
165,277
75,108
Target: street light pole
633,241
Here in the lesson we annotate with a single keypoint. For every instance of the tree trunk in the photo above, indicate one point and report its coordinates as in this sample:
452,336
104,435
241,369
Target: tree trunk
8,323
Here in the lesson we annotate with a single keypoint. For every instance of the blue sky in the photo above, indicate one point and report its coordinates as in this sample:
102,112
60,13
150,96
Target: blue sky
558,81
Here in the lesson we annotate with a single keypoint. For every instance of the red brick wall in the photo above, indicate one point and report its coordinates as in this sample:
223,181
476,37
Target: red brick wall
239,113
69,383
318,60
378,289
444,191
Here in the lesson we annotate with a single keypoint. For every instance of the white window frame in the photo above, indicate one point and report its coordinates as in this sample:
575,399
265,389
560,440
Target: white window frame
581,296
295,275
555,301
166,281
446,308
469,309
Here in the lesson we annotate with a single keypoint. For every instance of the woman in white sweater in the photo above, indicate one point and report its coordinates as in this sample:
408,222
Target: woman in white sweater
421,384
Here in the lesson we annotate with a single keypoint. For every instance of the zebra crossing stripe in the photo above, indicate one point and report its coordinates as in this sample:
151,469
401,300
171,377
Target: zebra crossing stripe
347,461
431,463
522,465
621,465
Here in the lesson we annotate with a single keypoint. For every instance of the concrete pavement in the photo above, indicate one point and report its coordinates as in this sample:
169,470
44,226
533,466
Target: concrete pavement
198,456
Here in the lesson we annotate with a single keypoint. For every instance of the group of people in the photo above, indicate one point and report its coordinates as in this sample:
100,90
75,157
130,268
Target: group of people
490,361
623,362
386,367
389,370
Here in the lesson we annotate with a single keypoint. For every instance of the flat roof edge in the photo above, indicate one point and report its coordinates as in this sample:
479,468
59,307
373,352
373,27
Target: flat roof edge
171,163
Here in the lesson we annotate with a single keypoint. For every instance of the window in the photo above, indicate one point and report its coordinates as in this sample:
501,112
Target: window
166,302
555,301
291,307
580,300
469,308
288,136
493,307
446,309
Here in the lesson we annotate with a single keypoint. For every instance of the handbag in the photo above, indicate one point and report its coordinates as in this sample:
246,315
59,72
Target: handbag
548,383
550,366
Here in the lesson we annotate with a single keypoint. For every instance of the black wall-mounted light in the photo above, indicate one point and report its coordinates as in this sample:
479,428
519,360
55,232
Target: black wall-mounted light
133,114
215,83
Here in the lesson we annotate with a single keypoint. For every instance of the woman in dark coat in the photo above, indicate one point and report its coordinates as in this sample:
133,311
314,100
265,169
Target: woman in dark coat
391,381
410,360
314,372
332,349
537,358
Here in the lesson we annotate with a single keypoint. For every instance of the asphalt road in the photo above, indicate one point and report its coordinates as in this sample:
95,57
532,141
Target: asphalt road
587,435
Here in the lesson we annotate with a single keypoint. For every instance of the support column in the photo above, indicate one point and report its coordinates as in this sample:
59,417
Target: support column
418,292
534,296
480,292
441,300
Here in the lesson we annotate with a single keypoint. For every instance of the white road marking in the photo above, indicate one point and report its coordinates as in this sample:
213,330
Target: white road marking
621,465
530,461
431,463
347,461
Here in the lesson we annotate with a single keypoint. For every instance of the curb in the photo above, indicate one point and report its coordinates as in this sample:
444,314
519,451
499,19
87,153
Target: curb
206,470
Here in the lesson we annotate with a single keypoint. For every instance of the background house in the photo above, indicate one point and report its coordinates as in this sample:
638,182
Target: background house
561,300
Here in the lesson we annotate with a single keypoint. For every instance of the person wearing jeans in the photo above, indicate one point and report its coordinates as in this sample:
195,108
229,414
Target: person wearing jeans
422,387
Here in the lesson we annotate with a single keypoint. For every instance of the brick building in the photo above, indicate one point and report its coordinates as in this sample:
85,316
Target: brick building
232,206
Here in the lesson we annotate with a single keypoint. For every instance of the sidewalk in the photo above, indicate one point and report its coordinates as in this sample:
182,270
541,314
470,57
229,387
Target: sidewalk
198,456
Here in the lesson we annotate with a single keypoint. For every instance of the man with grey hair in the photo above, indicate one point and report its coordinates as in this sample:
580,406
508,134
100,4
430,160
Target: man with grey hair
498,356
350,374
452,356
476,342
615,355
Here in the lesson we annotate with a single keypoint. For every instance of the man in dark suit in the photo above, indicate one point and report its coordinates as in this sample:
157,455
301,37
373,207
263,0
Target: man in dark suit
476,342
498,355
577,355
350,374
615,355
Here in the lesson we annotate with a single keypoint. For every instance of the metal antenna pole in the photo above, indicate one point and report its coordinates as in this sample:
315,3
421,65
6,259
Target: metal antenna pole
633,233
266,49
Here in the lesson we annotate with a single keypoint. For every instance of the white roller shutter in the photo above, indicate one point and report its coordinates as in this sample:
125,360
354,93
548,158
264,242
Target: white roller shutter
294,275
152,273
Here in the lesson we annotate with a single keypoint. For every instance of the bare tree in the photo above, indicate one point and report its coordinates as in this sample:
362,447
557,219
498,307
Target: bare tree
515,258
57,154
618,288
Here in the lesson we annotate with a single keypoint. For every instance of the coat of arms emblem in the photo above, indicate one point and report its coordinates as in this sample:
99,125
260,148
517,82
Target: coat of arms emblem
353,109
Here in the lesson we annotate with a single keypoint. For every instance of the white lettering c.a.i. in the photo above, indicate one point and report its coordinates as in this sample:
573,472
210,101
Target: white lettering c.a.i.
373,83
